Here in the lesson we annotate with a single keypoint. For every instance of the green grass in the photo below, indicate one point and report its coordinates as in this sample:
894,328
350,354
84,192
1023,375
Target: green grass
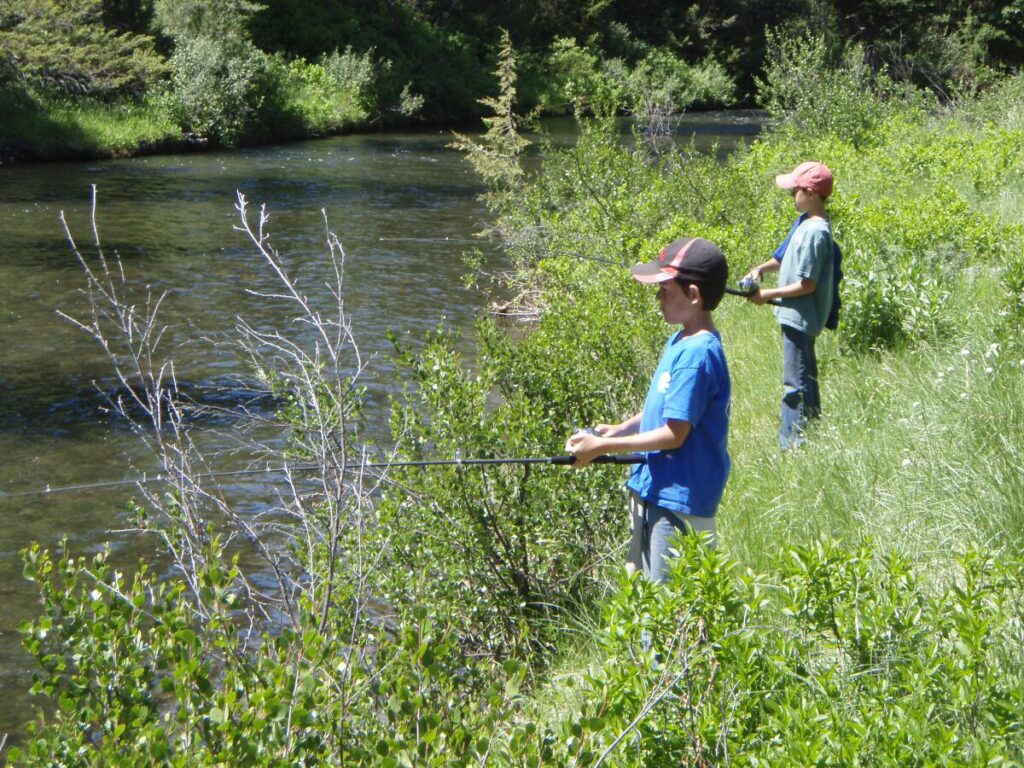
120,129
921,450
44,130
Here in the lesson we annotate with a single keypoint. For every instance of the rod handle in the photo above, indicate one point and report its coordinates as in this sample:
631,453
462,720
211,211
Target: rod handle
613,458
746,294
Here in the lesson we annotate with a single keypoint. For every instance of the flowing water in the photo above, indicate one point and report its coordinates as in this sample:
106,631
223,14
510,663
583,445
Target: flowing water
405,208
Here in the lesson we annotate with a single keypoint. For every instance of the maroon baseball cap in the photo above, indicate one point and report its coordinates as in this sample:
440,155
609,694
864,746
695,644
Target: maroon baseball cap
810,175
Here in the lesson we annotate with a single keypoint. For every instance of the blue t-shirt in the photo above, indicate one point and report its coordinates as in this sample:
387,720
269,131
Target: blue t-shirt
691,383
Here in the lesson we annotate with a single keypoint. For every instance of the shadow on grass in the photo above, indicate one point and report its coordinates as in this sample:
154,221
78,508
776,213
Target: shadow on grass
29,130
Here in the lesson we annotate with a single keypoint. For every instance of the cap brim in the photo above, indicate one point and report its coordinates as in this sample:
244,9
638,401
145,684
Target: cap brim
785,181
650,272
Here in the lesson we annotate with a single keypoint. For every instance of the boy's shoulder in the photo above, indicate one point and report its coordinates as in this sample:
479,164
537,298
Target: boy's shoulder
697,349
816,224
813,236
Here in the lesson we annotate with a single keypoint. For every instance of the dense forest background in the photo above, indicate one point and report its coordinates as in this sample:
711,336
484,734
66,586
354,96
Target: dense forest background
109,77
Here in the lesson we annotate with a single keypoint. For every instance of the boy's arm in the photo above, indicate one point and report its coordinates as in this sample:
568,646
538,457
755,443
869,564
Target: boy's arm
772,265
586,447
799,288
627,427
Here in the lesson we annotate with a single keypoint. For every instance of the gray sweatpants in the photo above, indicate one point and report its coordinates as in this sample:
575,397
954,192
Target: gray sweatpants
653,528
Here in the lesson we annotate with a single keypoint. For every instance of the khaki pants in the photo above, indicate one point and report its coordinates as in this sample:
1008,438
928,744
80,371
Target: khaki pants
653,528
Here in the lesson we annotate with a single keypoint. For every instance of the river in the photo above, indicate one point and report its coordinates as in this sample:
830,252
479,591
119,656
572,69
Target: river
405,207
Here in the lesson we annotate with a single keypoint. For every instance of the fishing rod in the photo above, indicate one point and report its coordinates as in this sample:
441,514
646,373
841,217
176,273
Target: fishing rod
748,294
626,458
746,289
566,460
444,239
748,286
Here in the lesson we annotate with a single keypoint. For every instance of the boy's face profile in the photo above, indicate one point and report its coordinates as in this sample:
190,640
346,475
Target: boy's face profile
678,302
803,198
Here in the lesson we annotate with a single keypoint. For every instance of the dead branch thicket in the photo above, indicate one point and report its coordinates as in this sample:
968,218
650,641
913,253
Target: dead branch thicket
311,534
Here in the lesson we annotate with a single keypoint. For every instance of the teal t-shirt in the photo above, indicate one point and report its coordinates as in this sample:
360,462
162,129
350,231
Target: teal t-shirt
691,383
808,255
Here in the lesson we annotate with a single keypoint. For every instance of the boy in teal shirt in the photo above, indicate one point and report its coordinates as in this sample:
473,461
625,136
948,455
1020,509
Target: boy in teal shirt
683,427
804,295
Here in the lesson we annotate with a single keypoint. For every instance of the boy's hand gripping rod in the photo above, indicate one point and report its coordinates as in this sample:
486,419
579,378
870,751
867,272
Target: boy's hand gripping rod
747,288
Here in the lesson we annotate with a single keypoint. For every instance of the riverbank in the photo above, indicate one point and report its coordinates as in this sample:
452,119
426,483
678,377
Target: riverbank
277,101
51,130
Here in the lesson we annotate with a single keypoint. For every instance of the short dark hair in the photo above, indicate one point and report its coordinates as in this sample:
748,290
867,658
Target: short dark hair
711,293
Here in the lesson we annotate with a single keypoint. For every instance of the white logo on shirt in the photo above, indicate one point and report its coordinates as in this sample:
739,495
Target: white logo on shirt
663,381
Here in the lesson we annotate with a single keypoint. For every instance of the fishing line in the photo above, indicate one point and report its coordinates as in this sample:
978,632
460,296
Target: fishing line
445,239
632,458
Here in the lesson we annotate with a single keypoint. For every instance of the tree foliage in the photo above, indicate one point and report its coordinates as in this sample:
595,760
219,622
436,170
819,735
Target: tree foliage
64,45
218,19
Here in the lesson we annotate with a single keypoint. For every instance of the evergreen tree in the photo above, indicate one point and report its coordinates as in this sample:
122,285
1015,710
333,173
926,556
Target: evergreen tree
63,45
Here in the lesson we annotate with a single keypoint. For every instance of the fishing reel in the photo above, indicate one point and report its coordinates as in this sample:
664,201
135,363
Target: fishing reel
745,287
748,285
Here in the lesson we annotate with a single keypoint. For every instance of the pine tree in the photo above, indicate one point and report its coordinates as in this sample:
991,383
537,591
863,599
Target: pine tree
63,45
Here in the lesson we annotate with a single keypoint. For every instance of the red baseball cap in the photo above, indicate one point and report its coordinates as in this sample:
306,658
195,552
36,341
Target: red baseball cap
810,175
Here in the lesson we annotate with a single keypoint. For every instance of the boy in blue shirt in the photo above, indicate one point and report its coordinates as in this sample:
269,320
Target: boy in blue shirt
683,427
805,263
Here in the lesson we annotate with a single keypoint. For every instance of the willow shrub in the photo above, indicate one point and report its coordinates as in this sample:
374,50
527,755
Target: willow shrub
505,551
848,658
844,656
138,677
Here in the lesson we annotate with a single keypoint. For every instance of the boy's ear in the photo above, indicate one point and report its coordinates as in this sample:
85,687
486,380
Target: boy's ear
694,291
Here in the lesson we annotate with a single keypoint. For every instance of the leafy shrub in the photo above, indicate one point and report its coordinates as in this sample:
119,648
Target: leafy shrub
576,79
357,74
65,47
219,19
502,550
301,98
872,315
666,79
804,89
140,676
858,659
1013,280
216,86
582,78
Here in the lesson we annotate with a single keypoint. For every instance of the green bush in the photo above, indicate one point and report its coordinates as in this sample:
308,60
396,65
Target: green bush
65,48
806,89
216,87
856,660
582,79
140,675
665,79
303,98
